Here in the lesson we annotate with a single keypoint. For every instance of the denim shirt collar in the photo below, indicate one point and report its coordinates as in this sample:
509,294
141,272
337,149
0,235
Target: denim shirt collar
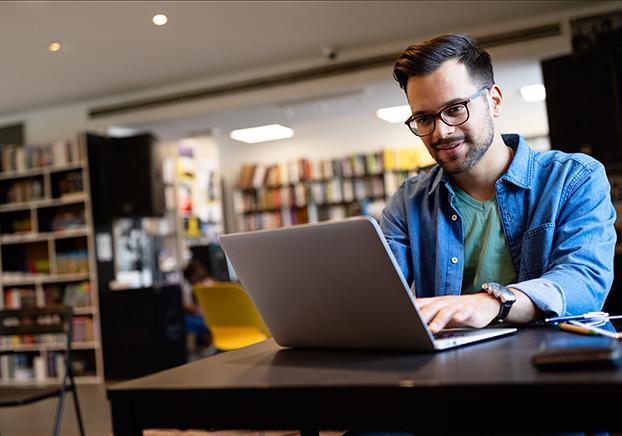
520,172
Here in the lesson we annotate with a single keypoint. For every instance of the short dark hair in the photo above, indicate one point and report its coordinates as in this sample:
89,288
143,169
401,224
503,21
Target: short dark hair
195,272
426,57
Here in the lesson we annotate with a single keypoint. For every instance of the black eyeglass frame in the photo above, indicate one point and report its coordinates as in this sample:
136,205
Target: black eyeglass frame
465,103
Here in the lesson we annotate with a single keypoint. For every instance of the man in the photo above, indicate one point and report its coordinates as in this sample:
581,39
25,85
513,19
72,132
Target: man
496,231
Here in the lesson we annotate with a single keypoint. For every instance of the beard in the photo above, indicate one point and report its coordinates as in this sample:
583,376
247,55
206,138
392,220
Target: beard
476,148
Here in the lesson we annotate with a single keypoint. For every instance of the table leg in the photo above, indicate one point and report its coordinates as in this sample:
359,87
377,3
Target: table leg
122,422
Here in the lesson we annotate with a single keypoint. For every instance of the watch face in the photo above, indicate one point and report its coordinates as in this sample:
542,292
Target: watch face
501,292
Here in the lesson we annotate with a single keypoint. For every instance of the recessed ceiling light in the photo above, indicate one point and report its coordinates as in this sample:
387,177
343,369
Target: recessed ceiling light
54,47
160,19
533,93
394,114
254,135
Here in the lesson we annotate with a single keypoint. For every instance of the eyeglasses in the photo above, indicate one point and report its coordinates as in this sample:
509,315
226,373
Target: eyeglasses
452,115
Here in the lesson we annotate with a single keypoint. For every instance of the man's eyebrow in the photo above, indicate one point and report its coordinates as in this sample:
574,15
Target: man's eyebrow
447,103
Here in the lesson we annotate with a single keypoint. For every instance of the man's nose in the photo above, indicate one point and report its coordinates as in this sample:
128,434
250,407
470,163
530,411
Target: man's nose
442,130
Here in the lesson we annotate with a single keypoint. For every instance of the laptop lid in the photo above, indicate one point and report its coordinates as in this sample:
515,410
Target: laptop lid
333,284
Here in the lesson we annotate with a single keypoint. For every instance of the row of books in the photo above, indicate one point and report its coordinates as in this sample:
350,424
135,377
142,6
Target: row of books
67,219
329,192
24,157
77,294
22,190
23,367
67,262
71,294
336,212
320,193
17,298
7,342
276,198
371,208
392,181
271,220
69,183
82,331
258,175
16,224
59,220
72,262
346,190
288,217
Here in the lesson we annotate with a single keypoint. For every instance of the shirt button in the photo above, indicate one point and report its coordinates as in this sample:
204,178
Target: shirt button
454,217
454,260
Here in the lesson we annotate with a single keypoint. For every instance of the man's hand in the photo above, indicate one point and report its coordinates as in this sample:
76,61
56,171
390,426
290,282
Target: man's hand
474,310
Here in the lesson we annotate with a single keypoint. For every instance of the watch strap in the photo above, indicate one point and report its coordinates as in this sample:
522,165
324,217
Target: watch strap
503,312
501,293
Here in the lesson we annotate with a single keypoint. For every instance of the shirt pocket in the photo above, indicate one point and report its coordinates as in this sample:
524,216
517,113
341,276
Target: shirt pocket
536,250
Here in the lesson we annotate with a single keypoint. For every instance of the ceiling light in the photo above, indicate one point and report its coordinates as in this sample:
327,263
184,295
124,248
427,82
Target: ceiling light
54,47
160,19
533,93
254,135
121,132
394,114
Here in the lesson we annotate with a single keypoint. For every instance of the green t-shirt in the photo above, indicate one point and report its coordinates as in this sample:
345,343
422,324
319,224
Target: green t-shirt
486,254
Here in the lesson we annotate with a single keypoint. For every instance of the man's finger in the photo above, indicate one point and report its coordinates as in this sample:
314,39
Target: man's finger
422,302
429,311
444,315
463,315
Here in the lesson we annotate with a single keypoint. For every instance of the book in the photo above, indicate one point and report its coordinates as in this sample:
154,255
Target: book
259,176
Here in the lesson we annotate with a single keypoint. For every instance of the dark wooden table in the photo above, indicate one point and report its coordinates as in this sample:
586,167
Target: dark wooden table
489,386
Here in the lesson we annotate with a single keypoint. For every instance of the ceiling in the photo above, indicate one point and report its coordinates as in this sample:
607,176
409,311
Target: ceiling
111,48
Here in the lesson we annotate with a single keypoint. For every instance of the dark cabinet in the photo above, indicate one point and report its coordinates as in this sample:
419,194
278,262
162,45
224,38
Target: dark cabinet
584,103
142,331
126,177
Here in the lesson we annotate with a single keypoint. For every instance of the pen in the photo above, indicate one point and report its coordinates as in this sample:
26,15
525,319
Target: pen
587,315
575,328
579,327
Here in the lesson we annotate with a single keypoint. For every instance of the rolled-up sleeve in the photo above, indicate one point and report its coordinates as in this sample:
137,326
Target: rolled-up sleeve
580,268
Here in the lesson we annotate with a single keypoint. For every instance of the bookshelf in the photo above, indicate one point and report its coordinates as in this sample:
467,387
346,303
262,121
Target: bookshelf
303,191
193,193
47,257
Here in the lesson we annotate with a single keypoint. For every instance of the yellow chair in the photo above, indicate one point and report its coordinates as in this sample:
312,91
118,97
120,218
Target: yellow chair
230,315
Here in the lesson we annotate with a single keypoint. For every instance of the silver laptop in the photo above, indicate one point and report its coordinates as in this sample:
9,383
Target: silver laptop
335,284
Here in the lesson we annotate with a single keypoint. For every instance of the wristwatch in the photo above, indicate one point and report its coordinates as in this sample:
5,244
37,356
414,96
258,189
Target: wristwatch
504,295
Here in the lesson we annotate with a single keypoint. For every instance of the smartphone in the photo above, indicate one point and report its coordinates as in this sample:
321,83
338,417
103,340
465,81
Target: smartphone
567,350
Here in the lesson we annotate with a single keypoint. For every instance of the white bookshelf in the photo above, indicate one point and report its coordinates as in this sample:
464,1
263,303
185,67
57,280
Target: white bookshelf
47,252
306,191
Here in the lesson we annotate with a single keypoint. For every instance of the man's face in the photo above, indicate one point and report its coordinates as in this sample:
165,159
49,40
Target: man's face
455,148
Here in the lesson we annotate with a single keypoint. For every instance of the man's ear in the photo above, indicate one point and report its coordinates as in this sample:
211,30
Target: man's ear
496,97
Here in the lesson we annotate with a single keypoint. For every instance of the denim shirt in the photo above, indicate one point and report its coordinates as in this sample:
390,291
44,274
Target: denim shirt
557,217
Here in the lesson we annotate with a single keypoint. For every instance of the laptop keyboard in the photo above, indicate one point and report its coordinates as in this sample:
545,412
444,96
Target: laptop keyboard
456,333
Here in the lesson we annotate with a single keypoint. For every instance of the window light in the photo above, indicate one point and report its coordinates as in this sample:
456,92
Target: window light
394,114
254,135
533,93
